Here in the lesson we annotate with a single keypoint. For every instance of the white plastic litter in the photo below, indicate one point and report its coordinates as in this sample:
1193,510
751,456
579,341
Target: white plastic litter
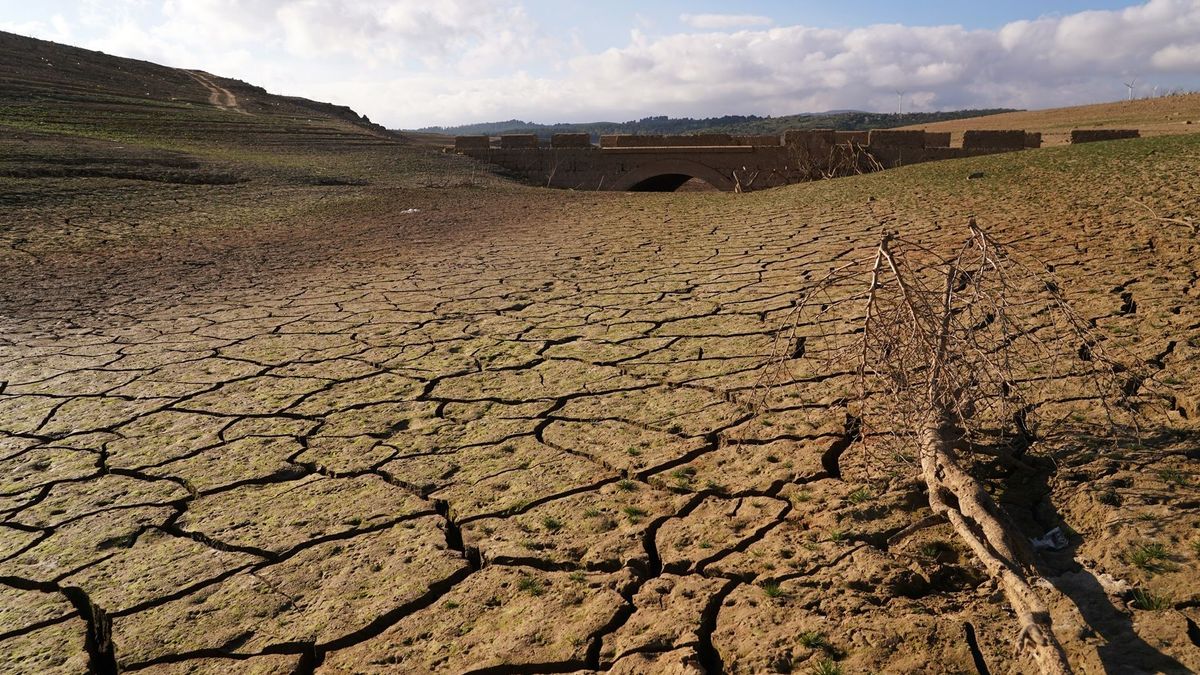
1054,540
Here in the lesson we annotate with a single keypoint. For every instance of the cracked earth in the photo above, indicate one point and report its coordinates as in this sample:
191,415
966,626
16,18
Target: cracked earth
507,433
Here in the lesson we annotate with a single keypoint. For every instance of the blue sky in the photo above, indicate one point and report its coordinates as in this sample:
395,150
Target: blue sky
410,63
608,23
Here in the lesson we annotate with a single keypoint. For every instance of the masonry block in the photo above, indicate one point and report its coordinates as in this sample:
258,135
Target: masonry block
896,138
462,143
1094,135
571,141
809,137
1007,139
1033,139
758,140
937,139
517,141
660,141
851,137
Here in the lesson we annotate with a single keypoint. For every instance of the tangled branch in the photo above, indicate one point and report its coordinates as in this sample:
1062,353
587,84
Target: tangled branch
960,354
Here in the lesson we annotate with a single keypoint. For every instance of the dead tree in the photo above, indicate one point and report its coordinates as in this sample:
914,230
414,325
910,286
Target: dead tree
951,354
823,162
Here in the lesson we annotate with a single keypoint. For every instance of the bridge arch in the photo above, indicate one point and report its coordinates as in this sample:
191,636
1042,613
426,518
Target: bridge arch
667,175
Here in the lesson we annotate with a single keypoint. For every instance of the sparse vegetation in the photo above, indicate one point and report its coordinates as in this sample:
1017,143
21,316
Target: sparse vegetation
933,549
1151,557
684,476
635,514
531,586
811,639
1173,476
773,590
860,495
1150,601
826,667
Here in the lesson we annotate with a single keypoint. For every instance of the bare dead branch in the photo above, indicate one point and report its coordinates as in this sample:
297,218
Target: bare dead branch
954,349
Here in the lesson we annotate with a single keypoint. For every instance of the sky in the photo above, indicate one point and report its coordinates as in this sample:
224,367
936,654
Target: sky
416,63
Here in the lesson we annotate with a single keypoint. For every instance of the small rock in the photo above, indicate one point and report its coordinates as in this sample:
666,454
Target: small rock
976,176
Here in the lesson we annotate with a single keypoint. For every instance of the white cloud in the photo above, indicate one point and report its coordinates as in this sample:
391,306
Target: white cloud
56,29
474,35
724,21
412,63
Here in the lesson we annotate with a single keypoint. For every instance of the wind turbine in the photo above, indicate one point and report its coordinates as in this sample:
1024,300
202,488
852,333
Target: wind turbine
1130,85
900,102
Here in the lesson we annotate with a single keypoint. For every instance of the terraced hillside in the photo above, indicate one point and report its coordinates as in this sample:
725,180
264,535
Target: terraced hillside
50,87
418,419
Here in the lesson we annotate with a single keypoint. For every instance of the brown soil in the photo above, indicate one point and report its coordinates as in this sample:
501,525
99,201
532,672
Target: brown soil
1163,116
422,420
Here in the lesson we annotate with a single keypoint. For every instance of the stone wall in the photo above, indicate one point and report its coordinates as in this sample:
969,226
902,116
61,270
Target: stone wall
633,162
1033,139
661,141
998,140
937,139
571,141
462,143
815,140
514,141
893,157
1094,135
896,138
851,137
762,140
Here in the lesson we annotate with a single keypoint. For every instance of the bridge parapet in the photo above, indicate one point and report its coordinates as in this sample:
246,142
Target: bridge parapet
728,162
759,140
1006,140
896,138
852,137
571,141
937,139
661,141
514,141
466,144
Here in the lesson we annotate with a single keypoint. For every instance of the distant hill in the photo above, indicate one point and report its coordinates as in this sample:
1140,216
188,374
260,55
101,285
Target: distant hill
845,120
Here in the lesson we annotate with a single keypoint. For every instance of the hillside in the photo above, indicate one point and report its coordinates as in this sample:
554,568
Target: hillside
71,112
734,124
281,394
1168,115
48,87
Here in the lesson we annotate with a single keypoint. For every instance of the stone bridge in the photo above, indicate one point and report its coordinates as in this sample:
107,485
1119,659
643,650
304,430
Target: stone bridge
726,162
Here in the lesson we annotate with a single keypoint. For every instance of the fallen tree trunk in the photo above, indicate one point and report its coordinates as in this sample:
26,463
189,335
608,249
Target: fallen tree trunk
976,518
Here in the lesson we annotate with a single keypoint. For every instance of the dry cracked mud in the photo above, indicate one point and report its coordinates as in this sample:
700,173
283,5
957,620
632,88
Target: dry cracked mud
507,432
